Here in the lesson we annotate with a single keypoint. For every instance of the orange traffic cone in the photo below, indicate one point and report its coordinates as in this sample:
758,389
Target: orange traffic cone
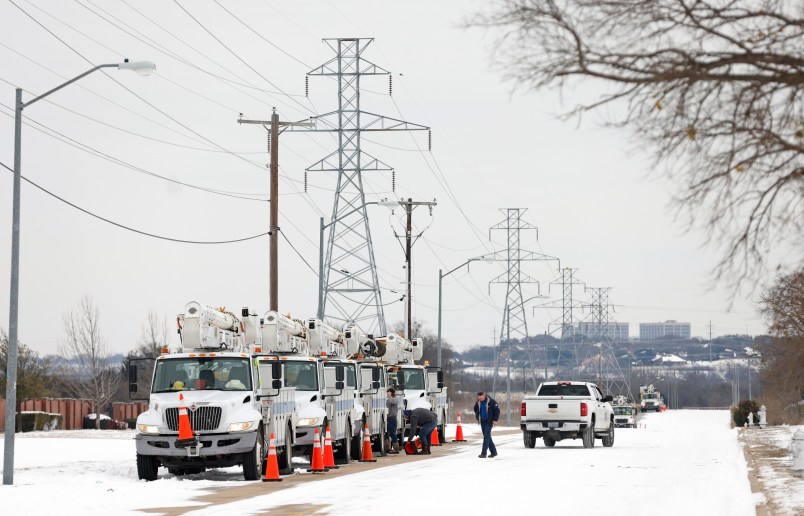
411,447
317,460
186,436
434,438
367,456
459,432
271,464
329,456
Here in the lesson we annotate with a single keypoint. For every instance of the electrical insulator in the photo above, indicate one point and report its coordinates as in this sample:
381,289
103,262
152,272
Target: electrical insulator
305,181
429,140
306,85
393,180
269,141
390,84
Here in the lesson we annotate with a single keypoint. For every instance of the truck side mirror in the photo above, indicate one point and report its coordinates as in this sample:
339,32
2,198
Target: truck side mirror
608,399
269,383
375,375
334,375
440,378
132,376
276,371
340,374
375,385
276,384
134,391
132,387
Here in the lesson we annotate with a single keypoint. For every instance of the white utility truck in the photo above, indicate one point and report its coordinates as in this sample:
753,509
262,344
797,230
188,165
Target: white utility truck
419,386
624,416
567,410
650,398
312,356
234,399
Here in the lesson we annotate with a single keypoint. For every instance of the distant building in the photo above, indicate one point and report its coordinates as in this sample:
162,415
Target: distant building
612,330
659,330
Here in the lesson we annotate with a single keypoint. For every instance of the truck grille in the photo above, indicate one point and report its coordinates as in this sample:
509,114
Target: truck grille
202,418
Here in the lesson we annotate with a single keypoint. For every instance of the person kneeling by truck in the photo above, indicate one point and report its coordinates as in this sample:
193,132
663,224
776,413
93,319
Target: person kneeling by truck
428,421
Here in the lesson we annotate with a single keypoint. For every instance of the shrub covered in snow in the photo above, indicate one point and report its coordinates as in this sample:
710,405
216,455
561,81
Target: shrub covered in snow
739,414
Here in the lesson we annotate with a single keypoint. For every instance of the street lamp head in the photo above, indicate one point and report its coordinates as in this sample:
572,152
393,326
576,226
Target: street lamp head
143,68
488,258
391,204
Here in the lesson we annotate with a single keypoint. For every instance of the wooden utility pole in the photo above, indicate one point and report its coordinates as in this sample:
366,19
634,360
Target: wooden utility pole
272,126
409,205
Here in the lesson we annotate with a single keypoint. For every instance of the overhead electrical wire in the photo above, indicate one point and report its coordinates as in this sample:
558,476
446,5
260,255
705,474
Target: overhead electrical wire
128,228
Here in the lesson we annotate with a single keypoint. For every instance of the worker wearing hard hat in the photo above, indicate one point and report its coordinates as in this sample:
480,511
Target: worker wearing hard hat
425,418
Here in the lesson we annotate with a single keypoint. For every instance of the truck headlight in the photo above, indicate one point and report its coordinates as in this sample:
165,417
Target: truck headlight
308,421
240,427
148,429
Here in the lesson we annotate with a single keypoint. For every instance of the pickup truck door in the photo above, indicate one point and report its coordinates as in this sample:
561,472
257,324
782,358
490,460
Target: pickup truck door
600,410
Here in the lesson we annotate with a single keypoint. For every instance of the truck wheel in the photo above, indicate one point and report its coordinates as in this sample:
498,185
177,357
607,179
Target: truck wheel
549,441
379,444
285,456
442,429
343,455
608,439
529,438
147,467
588,436
252,461
357,443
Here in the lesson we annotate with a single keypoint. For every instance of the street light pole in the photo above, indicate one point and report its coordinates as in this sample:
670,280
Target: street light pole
142,68
441,277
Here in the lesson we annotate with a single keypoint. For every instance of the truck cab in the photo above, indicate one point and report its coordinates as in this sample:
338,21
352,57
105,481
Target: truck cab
624,416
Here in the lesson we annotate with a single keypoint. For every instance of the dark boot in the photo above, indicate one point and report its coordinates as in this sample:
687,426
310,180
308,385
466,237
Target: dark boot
426,449
394,448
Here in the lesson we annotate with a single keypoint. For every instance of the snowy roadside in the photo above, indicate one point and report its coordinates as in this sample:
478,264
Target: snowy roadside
769,456
95,472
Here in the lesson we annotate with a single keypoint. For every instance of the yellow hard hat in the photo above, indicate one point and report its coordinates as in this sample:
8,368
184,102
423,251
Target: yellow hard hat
178,385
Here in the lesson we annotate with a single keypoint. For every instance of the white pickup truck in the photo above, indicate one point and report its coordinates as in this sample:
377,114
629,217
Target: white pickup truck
567,410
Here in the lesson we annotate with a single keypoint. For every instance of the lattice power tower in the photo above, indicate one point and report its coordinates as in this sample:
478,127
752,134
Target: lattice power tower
350,290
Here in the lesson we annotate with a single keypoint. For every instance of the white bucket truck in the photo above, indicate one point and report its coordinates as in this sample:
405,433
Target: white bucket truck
234,399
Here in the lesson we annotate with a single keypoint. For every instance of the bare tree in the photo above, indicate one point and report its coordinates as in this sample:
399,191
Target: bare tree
154,335
714,86
90,372
783,358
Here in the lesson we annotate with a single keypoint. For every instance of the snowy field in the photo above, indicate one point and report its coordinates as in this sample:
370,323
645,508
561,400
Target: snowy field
684,462
772,462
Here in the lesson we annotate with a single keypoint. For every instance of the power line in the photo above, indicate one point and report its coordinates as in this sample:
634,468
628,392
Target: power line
128,228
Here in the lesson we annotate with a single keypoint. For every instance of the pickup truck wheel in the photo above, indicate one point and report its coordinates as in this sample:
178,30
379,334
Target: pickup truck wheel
285,456
147,467
549,441
608,439
252,461
588,436
529,438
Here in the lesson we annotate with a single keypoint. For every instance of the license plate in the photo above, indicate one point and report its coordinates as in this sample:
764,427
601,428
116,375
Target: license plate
552,425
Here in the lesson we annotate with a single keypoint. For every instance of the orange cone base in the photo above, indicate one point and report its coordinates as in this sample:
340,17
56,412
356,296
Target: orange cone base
272,480
459,440
367,460
331,467
310,470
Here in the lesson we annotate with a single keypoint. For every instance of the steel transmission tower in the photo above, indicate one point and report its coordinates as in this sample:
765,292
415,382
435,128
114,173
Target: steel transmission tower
350,288
610,375
514,321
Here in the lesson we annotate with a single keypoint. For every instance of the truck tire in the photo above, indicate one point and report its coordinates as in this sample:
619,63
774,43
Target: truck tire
442,429
588,436
379,444
357,443
529,438
252,461
343,455
285,456
549,441
608,439
147,467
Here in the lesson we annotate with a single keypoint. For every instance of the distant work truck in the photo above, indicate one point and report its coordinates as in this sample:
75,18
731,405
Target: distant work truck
567,410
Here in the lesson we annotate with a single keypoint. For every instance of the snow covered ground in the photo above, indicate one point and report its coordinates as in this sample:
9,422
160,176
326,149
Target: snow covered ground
772,463
684,462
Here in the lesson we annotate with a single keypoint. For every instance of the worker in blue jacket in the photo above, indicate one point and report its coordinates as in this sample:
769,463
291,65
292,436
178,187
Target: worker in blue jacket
487,413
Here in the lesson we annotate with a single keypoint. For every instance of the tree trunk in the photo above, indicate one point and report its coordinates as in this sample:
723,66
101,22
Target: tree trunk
97,416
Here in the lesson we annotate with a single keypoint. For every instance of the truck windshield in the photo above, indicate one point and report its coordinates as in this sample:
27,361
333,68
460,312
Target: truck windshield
623,411
650,396
302,375
413,378
564,390
202,374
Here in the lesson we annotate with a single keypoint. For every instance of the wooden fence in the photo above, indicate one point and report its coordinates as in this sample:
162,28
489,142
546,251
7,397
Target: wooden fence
73,411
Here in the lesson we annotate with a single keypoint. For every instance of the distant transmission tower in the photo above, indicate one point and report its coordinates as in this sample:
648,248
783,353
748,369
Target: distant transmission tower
350,290
569,307
611,378
514,327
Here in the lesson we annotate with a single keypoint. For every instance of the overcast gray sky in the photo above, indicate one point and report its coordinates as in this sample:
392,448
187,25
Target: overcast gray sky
584,186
